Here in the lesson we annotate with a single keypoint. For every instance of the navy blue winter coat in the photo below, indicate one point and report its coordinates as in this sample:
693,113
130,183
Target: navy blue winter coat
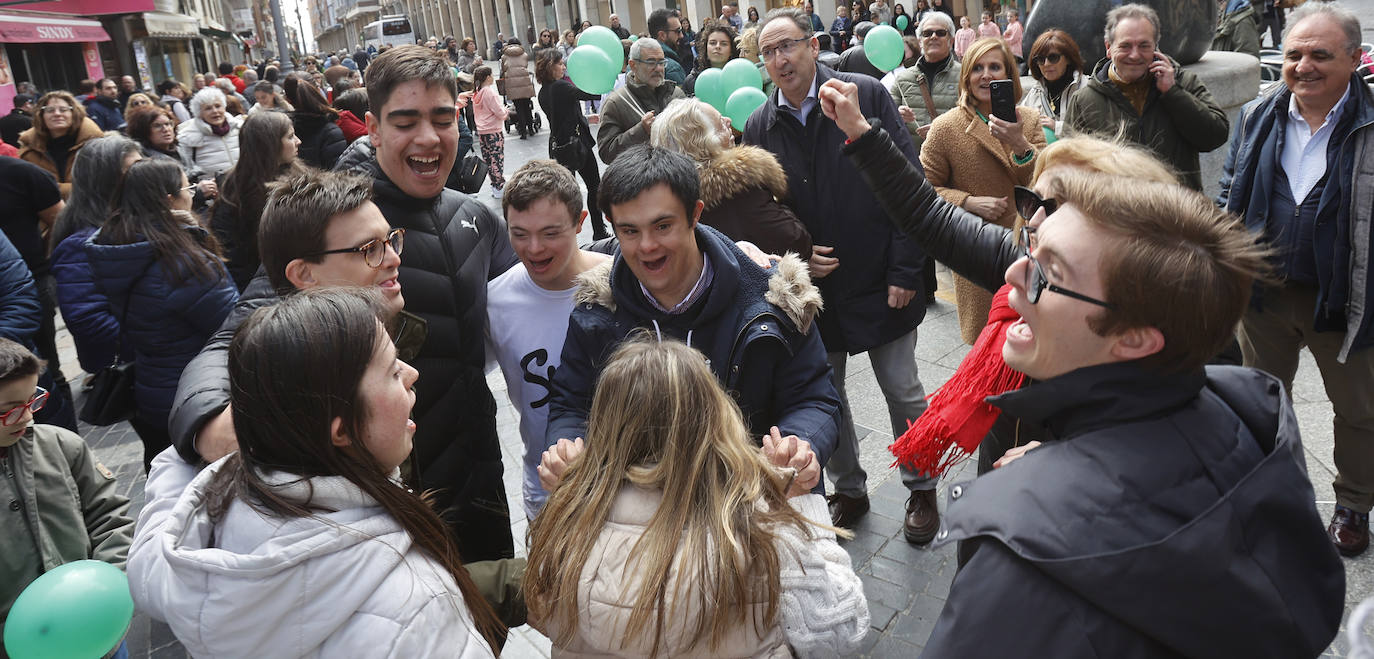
167,322
84,306
19,309
828,195
754,325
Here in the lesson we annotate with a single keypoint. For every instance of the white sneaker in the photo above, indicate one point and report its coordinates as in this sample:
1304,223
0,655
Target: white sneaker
496,193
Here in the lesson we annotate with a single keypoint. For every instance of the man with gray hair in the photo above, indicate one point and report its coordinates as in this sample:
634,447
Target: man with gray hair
628,112
1144,95
930,88
1297,170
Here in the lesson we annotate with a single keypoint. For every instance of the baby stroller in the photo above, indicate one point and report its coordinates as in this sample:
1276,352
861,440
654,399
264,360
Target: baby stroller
513,115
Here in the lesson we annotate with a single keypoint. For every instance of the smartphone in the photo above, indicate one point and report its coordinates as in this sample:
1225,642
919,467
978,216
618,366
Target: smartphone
1003,101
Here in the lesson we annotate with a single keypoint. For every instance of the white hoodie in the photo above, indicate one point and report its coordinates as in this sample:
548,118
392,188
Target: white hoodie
342,584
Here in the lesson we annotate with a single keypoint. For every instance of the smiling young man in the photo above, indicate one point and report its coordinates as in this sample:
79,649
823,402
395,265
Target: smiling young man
1170,513
682,280
528,306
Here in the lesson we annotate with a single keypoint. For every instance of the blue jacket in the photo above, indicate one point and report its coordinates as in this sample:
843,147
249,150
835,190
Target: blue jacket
104,112
754,325
1344,296
19,309
828,195
167,322
85,308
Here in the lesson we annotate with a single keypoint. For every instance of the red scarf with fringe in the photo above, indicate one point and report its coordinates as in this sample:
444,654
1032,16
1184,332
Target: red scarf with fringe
959,416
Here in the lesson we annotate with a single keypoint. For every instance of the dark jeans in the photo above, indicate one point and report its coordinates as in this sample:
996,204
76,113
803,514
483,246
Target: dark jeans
155,437
591,175
46,338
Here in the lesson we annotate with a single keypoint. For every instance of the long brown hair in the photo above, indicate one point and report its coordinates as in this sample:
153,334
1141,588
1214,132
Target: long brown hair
245,185
141,212
40,126
660,420
287,386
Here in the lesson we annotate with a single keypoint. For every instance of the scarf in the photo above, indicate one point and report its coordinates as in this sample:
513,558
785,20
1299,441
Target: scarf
959,416
220,130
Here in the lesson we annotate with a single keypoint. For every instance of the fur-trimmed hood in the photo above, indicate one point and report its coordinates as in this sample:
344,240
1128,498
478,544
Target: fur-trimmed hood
739,169
789,289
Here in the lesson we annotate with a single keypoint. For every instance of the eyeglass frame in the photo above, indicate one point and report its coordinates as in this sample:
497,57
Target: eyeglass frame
40,398
1036,281
398,235
56,109
935,33
1027,201
653,63
784,48
1052,58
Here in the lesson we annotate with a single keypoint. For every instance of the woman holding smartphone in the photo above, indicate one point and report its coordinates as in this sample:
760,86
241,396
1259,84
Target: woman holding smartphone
975,159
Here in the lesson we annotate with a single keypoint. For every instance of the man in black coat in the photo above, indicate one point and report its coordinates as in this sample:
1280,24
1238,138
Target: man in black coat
855,60
869,273
18,120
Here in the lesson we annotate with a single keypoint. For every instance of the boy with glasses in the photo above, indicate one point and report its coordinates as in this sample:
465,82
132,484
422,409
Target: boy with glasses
62,505
628,112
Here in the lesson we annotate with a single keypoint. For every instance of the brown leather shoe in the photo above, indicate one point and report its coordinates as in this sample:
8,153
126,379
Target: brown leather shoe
846,511
922,517
1349,531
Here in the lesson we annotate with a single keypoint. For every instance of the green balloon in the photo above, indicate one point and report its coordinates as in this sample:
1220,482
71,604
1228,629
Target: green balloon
884,47
78,610
710,88
902,22
741,104
591,70
634,38
740,73
604,39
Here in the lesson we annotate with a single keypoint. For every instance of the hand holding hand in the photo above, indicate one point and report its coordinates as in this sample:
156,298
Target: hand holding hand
1014,454
556,461
216,438
822,265
840,101
796,453
988,208
1163,71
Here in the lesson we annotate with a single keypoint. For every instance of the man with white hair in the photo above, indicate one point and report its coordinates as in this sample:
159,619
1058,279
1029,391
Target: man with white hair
1298,172
930,88
628,112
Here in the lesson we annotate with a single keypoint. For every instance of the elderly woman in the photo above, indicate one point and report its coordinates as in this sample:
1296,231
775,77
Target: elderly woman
209,142
975,160
60,131
1057,68
715,47
741,186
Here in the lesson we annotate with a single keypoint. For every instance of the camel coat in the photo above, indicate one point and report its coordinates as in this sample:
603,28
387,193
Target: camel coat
963,159
34,148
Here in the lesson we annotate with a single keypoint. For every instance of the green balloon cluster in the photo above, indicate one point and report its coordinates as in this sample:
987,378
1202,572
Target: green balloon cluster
79,610
734,90
902,22
884,48
596,61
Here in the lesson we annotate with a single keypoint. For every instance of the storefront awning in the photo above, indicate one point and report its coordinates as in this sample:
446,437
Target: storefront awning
170,26
34,29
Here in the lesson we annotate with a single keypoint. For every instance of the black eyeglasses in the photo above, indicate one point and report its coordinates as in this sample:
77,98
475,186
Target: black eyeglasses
1052,58
1036,281
926,34
373,251
40,398
1027,202
783,48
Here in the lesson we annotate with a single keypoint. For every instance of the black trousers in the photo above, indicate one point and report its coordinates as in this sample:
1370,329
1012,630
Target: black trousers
591,176
524,116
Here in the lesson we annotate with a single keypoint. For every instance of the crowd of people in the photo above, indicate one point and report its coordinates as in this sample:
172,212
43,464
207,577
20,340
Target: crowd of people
311,295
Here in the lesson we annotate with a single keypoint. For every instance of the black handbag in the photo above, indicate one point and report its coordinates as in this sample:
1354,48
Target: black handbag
571,154
472,172
111,398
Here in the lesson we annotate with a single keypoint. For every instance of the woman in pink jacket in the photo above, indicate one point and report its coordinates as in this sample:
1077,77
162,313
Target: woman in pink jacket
490,114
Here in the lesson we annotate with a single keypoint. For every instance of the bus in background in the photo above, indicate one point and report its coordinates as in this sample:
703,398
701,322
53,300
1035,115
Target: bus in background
389,30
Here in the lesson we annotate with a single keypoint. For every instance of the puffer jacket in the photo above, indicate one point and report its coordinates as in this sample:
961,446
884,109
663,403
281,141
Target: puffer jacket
93,324
249,584
1345,298
205,152
1038,97
624,108
65,506
821,609
322,141
515,70
167,322
741,188
1238,29
356,158
1170,516
34,148
754,325
1176,126
944,93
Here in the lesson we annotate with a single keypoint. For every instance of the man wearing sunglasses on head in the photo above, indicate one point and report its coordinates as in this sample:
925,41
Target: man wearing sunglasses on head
1169,512
930,88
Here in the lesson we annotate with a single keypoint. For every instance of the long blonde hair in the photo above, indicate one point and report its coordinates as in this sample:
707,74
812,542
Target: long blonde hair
660,420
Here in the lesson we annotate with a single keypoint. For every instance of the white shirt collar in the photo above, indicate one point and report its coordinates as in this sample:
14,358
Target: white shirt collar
1294,113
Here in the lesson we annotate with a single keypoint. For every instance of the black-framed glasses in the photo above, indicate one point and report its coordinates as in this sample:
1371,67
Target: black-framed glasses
1036,281
784,48
373,251
1052,58
14,414
941,33
1027,202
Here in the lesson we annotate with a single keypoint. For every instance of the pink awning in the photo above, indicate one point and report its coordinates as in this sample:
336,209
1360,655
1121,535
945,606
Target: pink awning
29,29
